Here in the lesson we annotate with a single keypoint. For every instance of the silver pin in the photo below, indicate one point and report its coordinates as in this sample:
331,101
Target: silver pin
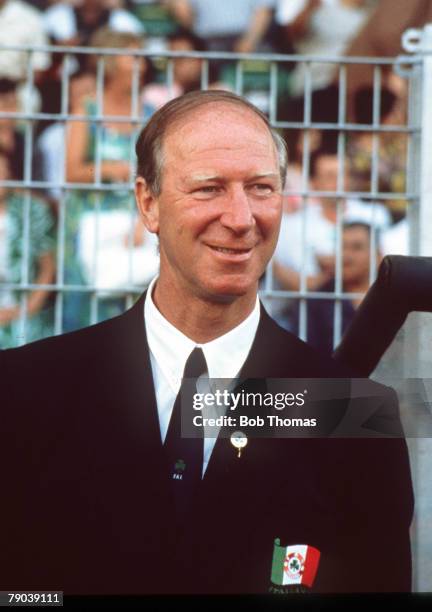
239,441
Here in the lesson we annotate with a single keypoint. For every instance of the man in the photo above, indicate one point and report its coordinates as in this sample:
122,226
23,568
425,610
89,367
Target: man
320,28
318,253
75,24
186,72
91,505
356,262
226,26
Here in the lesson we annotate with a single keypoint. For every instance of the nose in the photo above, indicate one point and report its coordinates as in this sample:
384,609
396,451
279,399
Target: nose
237,215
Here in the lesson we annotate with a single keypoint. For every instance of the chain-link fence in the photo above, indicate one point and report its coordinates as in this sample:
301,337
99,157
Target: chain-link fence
88,198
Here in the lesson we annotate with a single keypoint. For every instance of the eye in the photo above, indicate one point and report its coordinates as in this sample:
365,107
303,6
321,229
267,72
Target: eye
262,188
206,191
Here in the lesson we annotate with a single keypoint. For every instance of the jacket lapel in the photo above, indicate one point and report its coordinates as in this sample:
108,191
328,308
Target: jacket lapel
134,373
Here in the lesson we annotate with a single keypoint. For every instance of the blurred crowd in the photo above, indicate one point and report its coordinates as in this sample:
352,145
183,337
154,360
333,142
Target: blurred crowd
103,246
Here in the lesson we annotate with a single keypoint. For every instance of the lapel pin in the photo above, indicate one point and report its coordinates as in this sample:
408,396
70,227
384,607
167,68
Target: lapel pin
239,441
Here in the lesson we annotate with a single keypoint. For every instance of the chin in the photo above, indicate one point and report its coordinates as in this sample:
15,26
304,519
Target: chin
229,291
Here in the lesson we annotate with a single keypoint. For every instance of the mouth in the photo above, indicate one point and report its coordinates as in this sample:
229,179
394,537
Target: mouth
233,254
230,251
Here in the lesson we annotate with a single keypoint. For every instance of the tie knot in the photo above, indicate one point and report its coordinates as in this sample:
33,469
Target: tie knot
195,364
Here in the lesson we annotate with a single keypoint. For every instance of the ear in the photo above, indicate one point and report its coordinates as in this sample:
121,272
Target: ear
147,204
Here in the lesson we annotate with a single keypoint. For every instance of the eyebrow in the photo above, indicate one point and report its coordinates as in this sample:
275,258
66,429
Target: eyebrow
215,177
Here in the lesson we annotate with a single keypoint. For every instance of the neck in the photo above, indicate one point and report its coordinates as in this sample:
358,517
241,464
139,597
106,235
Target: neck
356,286
115,90
200,319
329,209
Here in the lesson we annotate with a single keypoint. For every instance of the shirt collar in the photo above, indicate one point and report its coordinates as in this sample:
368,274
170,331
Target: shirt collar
170,348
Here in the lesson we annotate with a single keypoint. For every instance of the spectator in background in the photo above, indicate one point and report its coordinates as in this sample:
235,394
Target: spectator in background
381,36
284,277
317,223
50,146
107,217
40,263
295,140
11,139
117,101
319,27
157,19
355,279
391,148
75,24
226,25
186,72
21,24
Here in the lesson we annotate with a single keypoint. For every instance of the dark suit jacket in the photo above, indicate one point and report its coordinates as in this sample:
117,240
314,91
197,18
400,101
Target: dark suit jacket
86,505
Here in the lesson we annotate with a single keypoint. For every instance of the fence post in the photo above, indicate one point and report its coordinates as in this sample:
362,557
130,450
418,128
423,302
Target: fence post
417,345
420,42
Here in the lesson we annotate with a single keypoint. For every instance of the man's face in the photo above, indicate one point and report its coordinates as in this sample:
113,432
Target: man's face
356,255
219,210
326,174
187,70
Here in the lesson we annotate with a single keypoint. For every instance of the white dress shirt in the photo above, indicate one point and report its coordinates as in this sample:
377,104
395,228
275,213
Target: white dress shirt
170,349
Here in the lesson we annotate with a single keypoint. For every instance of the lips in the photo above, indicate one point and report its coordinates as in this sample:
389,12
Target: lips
231,255
230,251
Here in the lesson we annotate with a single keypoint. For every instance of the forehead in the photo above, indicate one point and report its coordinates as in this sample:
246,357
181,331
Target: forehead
327,163
181,44
356,234
220,134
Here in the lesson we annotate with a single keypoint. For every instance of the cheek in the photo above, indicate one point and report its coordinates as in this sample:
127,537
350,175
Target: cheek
269,219
182,227
199,220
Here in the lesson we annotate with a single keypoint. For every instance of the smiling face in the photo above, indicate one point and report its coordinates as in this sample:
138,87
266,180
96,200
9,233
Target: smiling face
219,210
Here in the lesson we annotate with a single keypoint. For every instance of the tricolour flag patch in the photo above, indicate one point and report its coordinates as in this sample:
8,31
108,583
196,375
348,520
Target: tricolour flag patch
297,564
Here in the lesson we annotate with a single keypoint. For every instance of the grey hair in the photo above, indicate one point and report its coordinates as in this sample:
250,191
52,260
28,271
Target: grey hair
149,146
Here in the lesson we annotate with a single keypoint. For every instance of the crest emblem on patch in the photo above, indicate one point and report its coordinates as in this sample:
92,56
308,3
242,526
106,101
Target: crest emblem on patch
180,465
294,565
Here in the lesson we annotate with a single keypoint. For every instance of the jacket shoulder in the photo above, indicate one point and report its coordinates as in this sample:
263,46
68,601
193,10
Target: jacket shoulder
292,357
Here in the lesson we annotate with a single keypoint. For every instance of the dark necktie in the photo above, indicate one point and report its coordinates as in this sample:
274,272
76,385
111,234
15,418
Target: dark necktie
185,455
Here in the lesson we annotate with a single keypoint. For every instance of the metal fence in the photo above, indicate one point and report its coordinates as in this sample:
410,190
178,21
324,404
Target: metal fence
275,65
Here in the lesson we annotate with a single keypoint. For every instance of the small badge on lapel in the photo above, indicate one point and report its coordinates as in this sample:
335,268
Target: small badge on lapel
179,468
239,441
294,566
